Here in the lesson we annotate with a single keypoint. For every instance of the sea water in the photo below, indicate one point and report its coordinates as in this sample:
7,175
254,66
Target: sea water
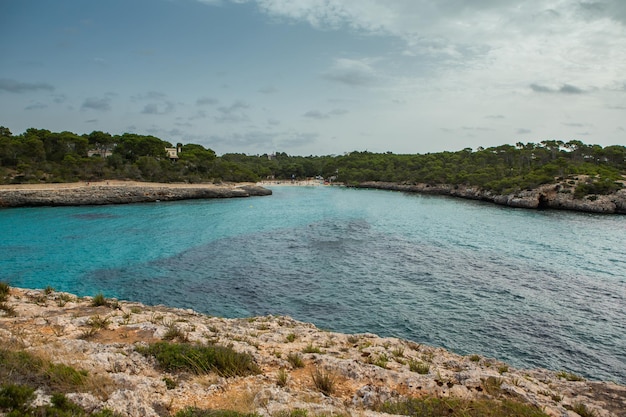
532,288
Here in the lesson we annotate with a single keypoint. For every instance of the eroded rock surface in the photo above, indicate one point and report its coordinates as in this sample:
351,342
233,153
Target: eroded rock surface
551,196
118,192
367,369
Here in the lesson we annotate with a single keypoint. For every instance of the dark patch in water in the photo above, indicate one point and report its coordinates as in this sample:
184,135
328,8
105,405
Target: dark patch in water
94,216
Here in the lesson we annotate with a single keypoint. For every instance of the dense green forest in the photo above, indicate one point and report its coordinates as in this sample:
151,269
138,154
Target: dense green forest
39,155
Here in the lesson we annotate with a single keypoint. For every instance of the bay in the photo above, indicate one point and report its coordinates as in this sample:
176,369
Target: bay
532,288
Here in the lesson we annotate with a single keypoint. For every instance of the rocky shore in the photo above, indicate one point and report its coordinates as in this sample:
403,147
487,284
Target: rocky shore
550,196
118,192
103,339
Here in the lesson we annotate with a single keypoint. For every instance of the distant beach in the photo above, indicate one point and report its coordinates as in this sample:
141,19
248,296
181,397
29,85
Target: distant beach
305,183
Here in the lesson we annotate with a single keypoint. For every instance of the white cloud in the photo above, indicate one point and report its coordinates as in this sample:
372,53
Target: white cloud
159,108
352,72
316,114
95,103
14,86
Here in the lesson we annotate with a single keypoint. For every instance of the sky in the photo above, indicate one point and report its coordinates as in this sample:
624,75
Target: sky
318,77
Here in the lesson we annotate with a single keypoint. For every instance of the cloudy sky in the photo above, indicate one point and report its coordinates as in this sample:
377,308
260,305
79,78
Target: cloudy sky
318,76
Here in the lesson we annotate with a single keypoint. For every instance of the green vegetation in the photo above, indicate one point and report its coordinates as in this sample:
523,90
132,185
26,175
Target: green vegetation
282,377
311,349
174,332
4,296
15,400
582,410
295,359
98,322
24,368
4,291
21,373
455,407
381,360
196,412
324,381
198,359
99,301
568,376
419,367
39,155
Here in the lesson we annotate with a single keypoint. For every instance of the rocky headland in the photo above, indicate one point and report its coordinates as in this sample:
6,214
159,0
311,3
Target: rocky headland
550,196
106,341
118,192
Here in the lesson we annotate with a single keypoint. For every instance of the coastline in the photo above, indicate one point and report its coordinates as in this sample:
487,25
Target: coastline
118,192
367,369
549,196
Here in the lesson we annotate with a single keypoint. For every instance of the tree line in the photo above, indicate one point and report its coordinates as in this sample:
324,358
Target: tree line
39,155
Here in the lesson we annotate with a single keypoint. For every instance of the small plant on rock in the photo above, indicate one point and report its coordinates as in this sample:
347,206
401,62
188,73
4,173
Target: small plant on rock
282,377
324,381
98,323
582,410
419,367
99,300
174,332
4,291
568,376
295,359
311,349
398,352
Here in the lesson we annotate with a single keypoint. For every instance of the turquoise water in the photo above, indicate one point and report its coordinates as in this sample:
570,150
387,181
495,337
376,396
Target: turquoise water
533,288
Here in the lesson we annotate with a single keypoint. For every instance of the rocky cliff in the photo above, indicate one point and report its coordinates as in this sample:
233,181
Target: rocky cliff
104,340
118,193
552,196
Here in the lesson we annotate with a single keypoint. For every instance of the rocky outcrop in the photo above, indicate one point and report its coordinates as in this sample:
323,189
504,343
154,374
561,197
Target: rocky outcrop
367,370
552,196
120,193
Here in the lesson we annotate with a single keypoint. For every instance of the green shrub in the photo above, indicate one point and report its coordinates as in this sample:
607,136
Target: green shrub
169,383
582,410
455,407
98,322
9,311
198,359
174,332
291,337
15,397
197,412
99,300
298,412
398,352
4,291
419,367
311,349
381,360
324,381
15,400
492,385
282,377
568,376
295,359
